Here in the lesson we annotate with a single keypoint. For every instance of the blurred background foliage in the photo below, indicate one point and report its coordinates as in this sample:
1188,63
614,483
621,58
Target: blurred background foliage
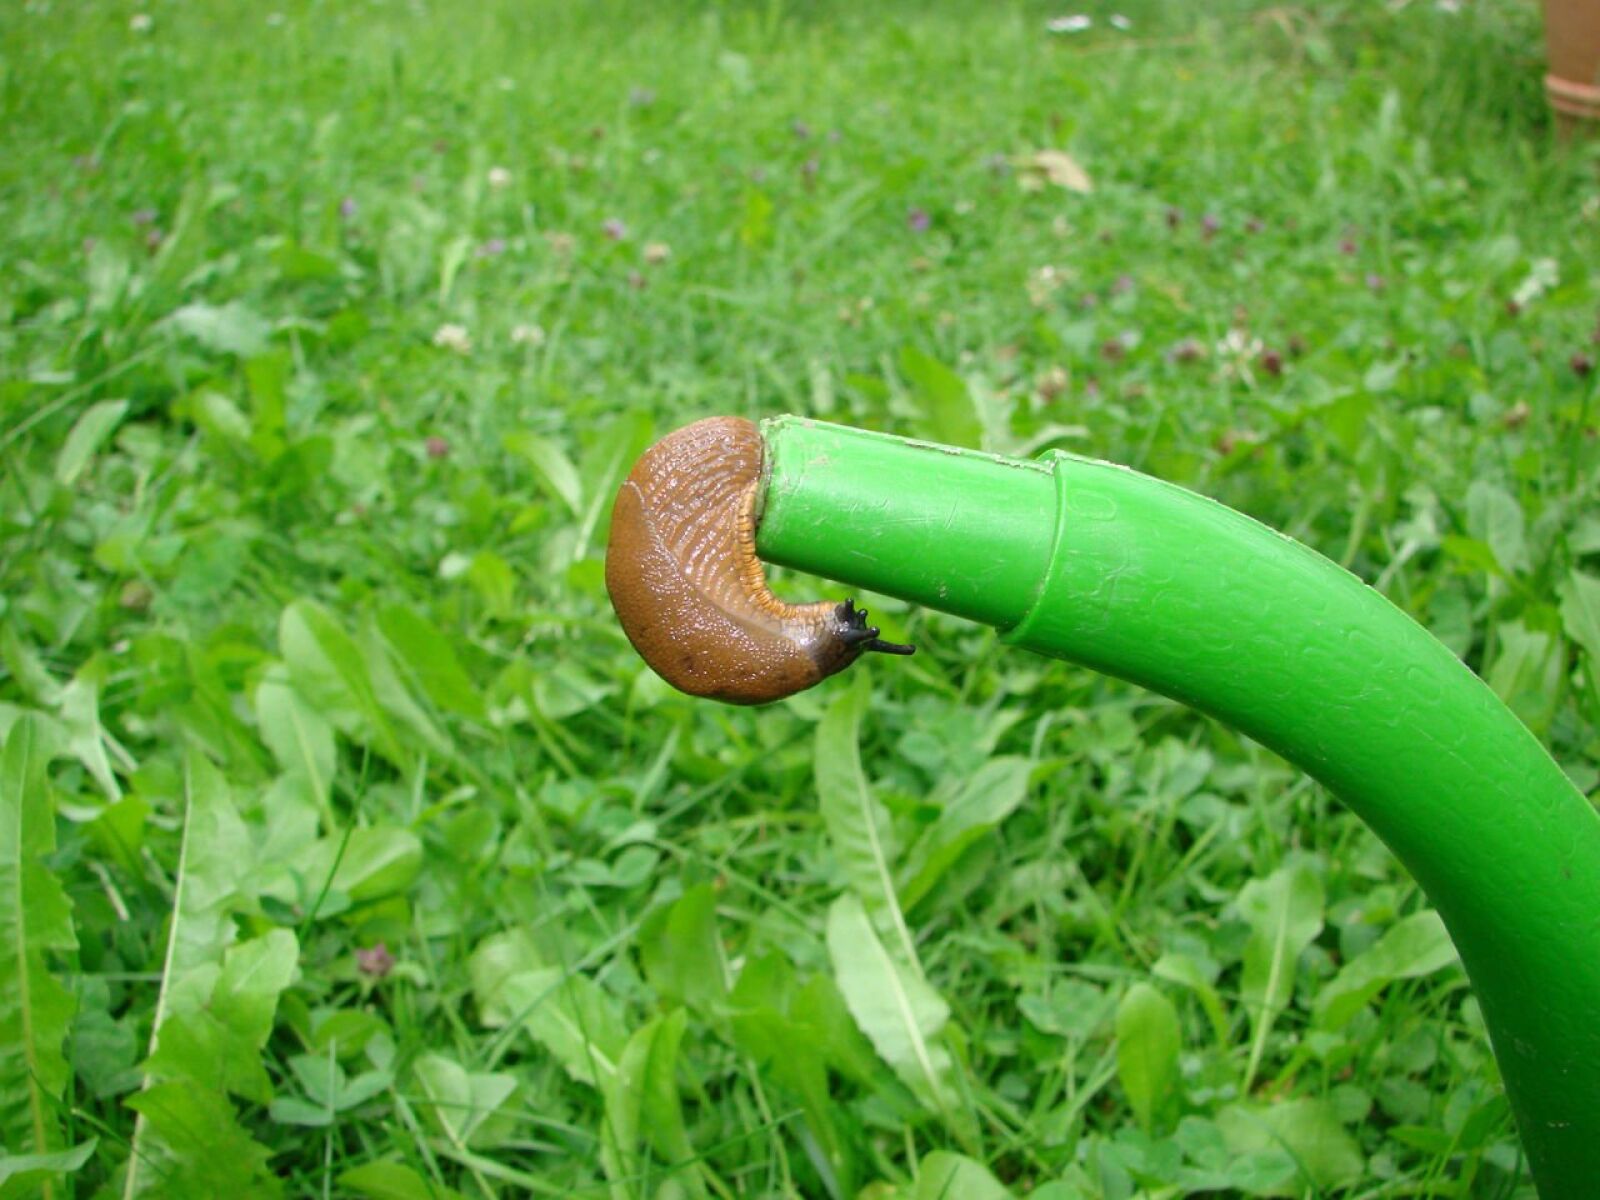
326,334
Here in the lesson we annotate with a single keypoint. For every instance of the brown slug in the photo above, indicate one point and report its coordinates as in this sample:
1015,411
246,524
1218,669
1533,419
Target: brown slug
683,576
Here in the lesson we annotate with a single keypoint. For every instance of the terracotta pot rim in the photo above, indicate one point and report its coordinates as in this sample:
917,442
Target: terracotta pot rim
1572,98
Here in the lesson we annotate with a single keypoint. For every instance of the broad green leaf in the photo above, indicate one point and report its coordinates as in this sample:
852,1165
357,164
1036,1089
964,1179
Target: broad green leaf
766,981
393,1181
463,1102
571,1016
346,1032
87,435
1210,1166
87,739
267,377
604,463
1071,1008
218,1020
254,973
1494,517
550,464
792,1052
343,1092
367,864
494,964
755,227
565,689
1180,969
189,1145
35,922
33,1174
820,1006
1526,673
1325,1156
989,795
214,858
291,1110
218,416
1415,946
1284,912
1580,613
187,1141
229,329
27,668
103,1048
392,695
948,412
298,736
119,830
1148,1043
1470,555
328,670
643,1111
108,275
1075,1186
495,582
857,824
943,1175
682,954
898,1011
425,656
451,261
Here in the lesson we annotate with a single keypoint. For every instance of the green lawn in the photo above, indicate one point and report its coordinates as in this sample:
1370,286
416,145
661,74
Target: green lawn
327,331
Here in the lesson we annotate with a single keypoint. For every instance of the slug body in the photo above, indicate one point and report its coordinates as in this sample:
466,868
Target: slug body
691,595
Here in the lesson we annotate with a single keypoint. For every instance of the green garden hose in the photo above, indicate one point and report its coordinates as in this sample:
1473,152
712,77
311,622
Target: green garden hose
1140,579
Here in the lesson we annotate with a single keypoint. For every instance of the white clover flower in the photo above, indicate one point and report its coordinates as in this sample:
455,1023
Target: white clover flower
453,337
1074,23
1239,344
657,252
1052,382
499,177
1543,275
1044,282
527,335
1236,352
141,22
1118,21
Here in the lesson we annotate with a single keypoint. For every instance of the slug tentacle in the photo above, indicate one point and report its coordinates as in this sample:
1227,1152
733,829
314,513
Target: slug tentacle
683,576
857,632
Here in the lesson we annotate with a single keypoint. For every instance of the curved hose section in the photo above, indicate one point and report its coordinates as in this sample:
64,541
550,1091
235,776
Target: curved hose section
1146,581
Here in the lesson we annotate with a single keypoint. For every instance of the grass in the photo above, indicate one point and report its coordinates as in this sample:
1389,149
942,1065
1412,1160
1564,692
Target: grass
317,717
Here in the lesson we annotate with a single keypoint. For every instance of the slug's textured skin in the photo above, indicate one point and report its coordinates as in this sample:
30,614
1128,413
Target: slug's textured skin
688,589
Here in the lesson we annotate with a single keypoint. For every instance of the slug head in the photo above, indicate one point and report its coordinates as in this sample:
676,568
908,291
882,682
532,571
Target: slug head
847,636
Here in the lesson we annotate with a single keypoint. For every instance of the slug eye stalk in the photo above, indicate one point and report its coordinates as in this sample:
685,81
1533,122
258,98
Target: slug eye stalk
856,632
